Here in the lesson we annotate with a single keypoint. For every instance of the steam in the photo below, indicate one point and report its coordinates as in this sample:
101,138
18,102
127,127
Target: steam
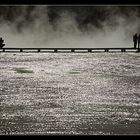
33,26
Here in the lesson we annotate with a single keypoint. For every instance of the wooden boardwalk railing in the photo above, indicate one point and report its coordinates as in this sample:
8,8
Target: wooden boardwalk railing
66,49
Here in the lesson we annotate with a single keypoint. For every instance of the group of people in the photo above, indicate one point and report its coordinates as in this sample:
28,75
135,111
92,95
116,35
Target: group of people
1,42
136,40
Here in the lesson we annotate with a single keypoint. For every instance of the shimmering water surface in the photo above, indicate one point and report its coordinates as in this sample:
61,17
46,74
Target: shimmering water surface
70,93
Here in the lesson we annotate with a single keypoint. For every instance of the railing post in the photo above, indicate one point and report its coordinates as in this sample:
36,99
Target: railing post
38,50
123,50
20,50
138,50
89,50
106,50
72,50
3,50
55,50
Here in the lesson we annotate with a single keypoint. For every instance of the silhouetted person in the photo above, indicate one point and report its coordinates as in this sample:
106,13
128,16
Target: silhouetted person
135,40
139,42
1,42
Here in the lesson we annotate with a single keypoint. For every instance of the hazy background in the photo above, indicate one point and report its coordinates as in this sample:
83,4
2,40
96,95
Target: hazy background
69,26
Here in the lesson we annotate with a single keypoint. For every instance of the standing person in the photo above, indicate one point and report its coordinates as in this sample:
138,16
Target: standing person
139,42
135,40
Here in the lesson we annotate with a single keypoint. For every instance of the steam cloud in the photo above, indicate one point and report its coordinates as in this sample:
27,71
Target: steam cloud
69,26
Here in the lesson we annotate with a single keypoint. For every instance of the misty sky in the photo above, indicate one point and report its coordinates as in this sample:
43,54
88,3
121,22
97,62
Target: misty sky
69,26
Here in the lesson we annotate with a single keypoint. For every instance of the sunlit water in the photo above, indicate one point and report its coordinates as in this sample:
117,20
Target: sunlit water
70,93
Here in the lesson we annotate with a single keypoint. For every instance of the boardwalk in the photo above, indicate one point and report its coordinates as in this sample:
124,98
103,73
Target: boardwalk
68,49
